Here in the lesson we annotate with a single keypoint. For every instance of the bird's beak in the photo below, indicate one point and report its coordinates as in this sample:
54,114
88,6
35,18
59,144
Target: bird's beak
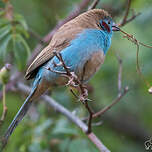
115,27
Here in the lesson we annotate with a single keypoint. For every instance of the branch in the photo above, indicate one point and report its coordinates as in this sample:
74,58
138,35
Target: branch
127,12
49,36
120,93
74,82
119,72
93,5
69,115
130,19
125,20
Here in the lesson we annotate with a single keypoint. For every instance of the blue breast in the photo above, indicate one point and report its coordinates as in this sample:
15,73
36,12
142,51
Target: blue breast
78,52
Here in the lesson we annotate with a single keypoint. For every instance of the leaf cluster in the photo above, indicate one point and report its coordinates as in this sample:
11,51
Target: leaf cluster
13,35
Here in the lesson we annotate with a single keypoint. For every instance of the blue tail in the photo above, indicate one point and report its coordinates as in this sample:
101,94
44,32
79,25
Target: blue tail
37,89
19,116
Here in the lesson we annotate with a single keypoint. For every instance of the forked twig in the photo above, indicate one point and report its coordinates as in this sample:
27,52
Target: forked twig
76,83
126,20
54,104
126,13
114,102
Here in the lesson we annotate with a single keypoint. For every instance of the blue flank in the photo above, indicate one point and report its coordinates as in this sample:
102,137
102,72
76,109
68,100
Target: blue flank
77,53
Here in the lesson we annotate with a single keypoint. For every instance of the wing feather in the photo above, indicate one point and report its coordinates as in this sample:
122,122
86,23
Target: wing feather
59,41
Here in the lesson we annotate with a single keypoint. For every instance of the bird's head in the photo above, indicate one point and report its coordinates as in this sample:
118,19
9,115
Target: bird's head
98,19
106,24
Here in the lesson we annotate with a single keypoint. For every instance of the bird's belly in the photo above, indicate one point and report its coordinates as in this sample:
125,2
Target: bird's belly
92,65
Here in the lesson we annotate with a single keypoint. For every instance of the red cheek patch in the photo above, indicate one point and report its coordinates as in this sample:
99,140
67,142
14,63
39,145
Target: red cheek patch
106,26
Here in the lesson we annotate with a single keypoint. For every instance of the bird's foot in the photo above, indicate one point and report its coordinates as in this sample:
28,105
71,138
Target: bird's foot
72,80
84,95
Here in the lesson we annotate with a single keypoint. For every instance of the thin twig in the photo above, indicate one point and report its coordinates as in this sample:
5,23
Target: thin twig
11,84
125,19
119,73
102,111
74,81
4,105
130,19
126,13
93,5
101,147
59,56
90,117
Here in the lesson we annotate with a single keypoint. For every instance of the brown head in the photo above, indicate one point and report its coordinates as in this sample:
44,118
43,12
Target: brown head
95,18
90,19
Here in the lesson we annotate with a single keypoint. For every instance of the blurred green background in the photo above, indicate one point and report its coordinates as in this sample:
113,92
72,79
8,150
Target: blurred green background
125,127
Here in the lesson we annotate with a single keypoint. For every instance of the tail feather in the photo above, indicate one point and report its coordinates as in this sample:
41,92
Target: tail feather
37,89
19,116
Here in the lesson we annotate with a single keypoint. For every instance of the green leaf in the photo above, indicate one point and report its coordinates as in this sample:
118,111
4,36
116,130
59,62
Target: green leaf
63,127
41,128
35,147
81,145
3,22
4,31
4,45
64,145
2,13
20,30
21,20
24,44
21,51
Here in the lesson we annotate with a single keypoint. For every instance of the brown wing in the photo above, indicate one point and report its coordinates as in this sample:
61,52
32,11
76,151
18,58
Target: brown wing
59,41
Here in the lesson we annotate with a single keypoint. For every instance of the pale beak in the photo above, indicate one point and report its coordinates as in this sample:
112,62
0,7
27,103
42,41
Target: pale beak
115,27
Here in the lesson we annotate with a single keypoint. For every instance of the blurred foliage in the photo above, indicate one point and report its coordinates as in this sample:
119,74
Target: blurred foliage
13,31
46,130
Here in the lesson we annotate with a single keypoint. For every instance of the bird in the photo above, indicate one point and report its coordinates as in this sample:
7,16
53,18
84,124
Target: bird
82,42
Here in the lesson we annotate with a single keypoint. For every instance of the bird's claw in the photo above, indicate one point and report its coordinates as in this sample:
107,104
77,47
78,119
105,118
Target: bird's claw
84,96
72,79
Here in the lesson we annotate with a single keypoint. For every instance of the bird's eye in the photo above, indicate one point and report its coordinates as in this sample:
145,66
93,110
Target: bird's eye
108,22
